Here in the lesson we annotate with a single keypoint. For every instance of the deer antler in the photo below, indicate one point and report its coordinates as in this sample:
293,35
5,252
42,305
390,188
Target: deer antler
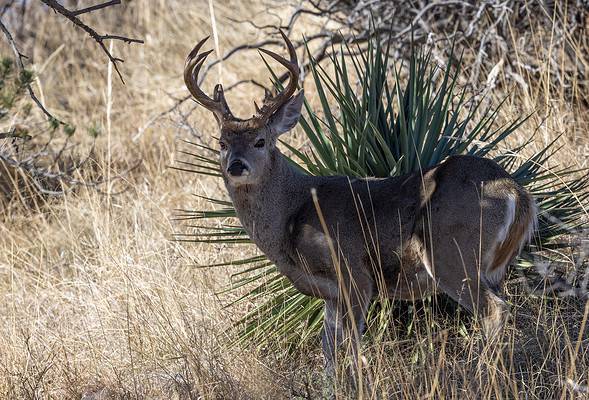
273,103
218,105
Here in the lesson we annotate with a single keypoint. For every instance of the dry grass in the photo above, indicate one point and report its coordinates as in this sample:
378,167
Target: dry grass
98,302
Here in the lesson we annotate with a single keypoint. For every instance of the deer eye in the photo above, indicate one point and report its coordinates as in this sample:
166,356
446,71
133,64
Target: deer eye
260,143
222,145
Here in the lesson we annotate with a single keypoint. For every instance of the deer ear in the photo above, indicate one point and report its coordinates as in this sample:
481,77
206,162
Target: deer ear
288,115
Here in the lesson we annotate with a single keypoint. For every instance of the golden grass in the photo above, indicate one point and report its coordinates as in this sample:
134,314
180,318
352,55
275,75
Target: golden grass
98,301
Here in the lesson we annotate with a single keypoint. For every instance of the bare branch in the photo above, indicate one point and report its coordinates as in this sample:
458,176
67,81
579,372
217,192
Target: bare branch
6,7
46,164
40,176
72,16
96,7
244,81
18,58
121,38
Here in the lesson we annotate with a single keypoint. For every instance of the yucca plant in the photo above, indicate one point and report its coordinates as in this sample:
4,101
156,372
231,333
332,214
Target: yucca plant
375,123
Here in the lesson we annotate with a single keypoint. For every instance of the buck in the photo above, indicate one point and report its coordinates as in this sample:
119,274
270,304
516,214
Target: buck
453,227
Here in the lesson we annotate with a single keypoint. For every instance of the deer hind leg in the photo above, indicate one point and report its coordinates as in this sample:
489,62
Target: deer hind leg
469,262
472,293
461,274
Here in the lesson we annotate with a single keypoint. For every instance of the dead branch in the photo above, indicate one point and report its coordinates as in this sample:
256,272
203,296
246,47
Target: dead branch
53,183
21,68
73,17
40,160
6,7
96,7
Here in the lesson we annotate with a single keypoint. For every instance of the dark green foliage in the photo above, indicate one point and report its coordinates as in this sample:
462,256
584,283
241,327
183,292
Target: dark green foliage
13,99
373,122
10,88
26,77
69,130
95,130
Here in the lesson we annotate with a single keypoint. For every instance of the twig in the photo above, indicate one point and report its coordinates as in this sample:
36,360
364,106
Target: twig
18,58
96,7
243,81
38,174
6,7
142,130
72,16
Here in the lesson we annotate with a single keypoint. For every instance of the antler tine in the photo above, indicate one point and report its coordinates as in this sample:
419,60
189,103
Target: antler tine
194,62
291,50
271,104
219,95
267,94
196,49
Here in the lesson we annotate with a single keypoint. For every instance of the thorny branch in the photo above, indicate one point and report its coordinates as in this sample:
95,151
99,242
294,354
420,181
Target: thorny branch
49,167
96,7
73,17
50,182
18,57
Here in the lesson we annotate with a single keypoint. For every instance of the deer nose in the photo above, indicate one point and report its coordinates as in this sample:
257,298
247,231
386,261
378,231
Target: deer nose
237,168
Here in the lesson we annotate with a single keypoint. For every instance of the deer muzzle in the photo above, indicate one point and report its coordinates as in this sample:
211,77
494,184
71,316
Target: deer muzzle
238,168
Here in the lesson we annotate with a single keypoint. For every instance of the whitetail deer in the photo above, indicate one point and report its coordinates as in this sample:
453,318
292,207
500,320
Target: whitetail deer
455,226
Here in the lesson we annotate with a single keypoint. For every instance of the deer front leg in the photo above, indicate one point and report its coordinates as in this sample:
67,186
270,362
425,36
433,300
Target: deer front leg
343,324
331,335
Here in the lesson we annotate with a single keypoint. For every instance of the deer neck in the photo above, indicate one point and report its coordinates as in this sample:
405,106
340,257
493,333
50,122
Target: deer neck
264,208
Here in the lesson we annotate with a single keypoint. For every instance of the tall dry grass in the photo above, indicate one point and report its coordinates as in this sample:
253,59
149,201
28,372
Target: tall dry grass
98,302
